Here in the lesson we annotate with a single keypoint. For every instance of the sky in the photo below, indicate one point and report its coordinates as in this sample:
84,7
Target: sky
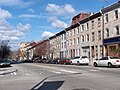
33,20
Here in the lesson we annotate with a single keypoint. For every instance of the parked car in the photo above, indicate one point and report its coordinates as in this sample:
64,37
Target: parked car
49,61
80,60
107,61
4,62
56,61
65,61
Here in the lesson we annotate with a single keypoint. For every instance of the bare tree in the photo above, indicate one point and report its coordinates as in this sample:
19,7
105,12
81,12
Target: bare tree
42,49
4,51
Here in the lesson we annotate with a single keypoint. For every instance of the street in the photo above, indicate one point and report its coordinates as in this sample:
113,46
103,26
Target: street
36,76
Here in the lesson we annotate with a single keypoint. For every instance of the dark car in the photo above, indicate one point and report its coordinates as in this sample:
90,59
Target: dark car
49,61
56,61
4,62
65,61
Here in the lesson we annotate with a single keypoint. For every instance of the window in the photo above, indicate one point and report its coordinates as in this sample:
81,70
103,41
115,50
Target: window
116,14
78,40
107,32
93,37
87,37
64,44
78,30
82,38
99,24
74,41
92,24
73,31
82,28
117,30
99,35
67,43
106,18
64,36
70,33
112,48
70,41
87,26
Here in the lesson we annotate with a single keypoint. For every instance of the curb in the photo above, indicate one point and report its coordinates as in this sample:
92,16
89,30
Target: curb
8,71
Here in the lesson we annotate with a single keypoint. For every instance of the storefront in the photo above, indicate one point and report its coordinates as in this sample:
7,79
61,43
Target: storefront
112,46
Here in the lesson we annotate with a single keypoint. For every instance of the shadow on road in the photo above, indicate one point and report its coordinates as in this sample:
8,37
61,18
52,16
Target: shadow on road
51,85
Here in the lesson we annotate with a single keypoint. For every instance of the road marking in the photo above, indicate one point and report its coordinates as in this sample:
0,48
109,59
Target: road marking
56,72
68,71
94,70
27,73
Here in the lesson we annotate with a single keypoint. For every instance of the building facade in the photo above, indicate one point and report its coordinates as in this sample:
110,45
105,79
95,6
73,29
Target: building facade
91,35
23,54
111,16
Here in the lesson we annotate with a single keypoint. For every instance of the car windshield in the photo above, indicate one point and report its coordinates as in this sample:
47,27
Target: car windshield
114,58
76,57
84,56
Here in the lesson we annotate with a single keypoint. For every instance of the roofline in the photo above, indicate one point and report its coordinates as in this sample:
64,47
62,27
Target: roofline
84,20
106,9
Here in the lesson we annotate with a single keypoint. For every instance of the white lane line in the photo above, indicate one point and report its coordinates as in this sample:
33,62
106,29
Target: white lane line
56,72
68,71
14,73
27,73
94,70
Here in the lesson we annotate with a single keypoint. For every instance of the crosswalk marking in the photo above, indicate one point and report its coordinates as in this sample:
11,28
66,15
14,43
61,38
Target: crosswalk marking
68,71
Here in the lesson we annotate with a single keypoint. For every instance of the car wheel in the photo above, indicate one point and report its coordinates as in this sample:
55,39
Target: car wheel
109,65
78,63
95,64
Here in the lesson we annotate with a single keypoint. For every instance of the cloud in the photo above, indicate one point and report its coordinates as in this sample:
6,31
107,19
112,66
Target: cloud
23,28
46,34
4,14
31,10
57,23
60,10
14,38
29,16
14,3
33,16
8,32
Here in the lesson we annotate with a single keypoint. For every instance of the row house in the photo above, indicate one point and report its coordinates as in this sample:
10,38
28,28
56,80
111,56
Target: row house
57,45
23,54
111,15
85,38
92,35
73,36
42,49
30,50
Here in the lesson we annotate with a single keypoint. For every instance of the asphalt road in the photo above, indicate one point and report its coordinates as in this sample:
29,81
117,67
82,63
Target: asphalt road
34,76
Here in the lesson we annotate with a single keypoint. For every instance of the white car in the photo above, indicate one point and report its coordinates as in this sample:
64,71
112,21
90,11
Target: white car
80,60
107,61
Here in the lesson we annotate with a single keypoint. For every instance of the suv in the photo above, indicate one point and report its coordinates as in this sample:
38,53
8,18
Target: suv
107,61
80,60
